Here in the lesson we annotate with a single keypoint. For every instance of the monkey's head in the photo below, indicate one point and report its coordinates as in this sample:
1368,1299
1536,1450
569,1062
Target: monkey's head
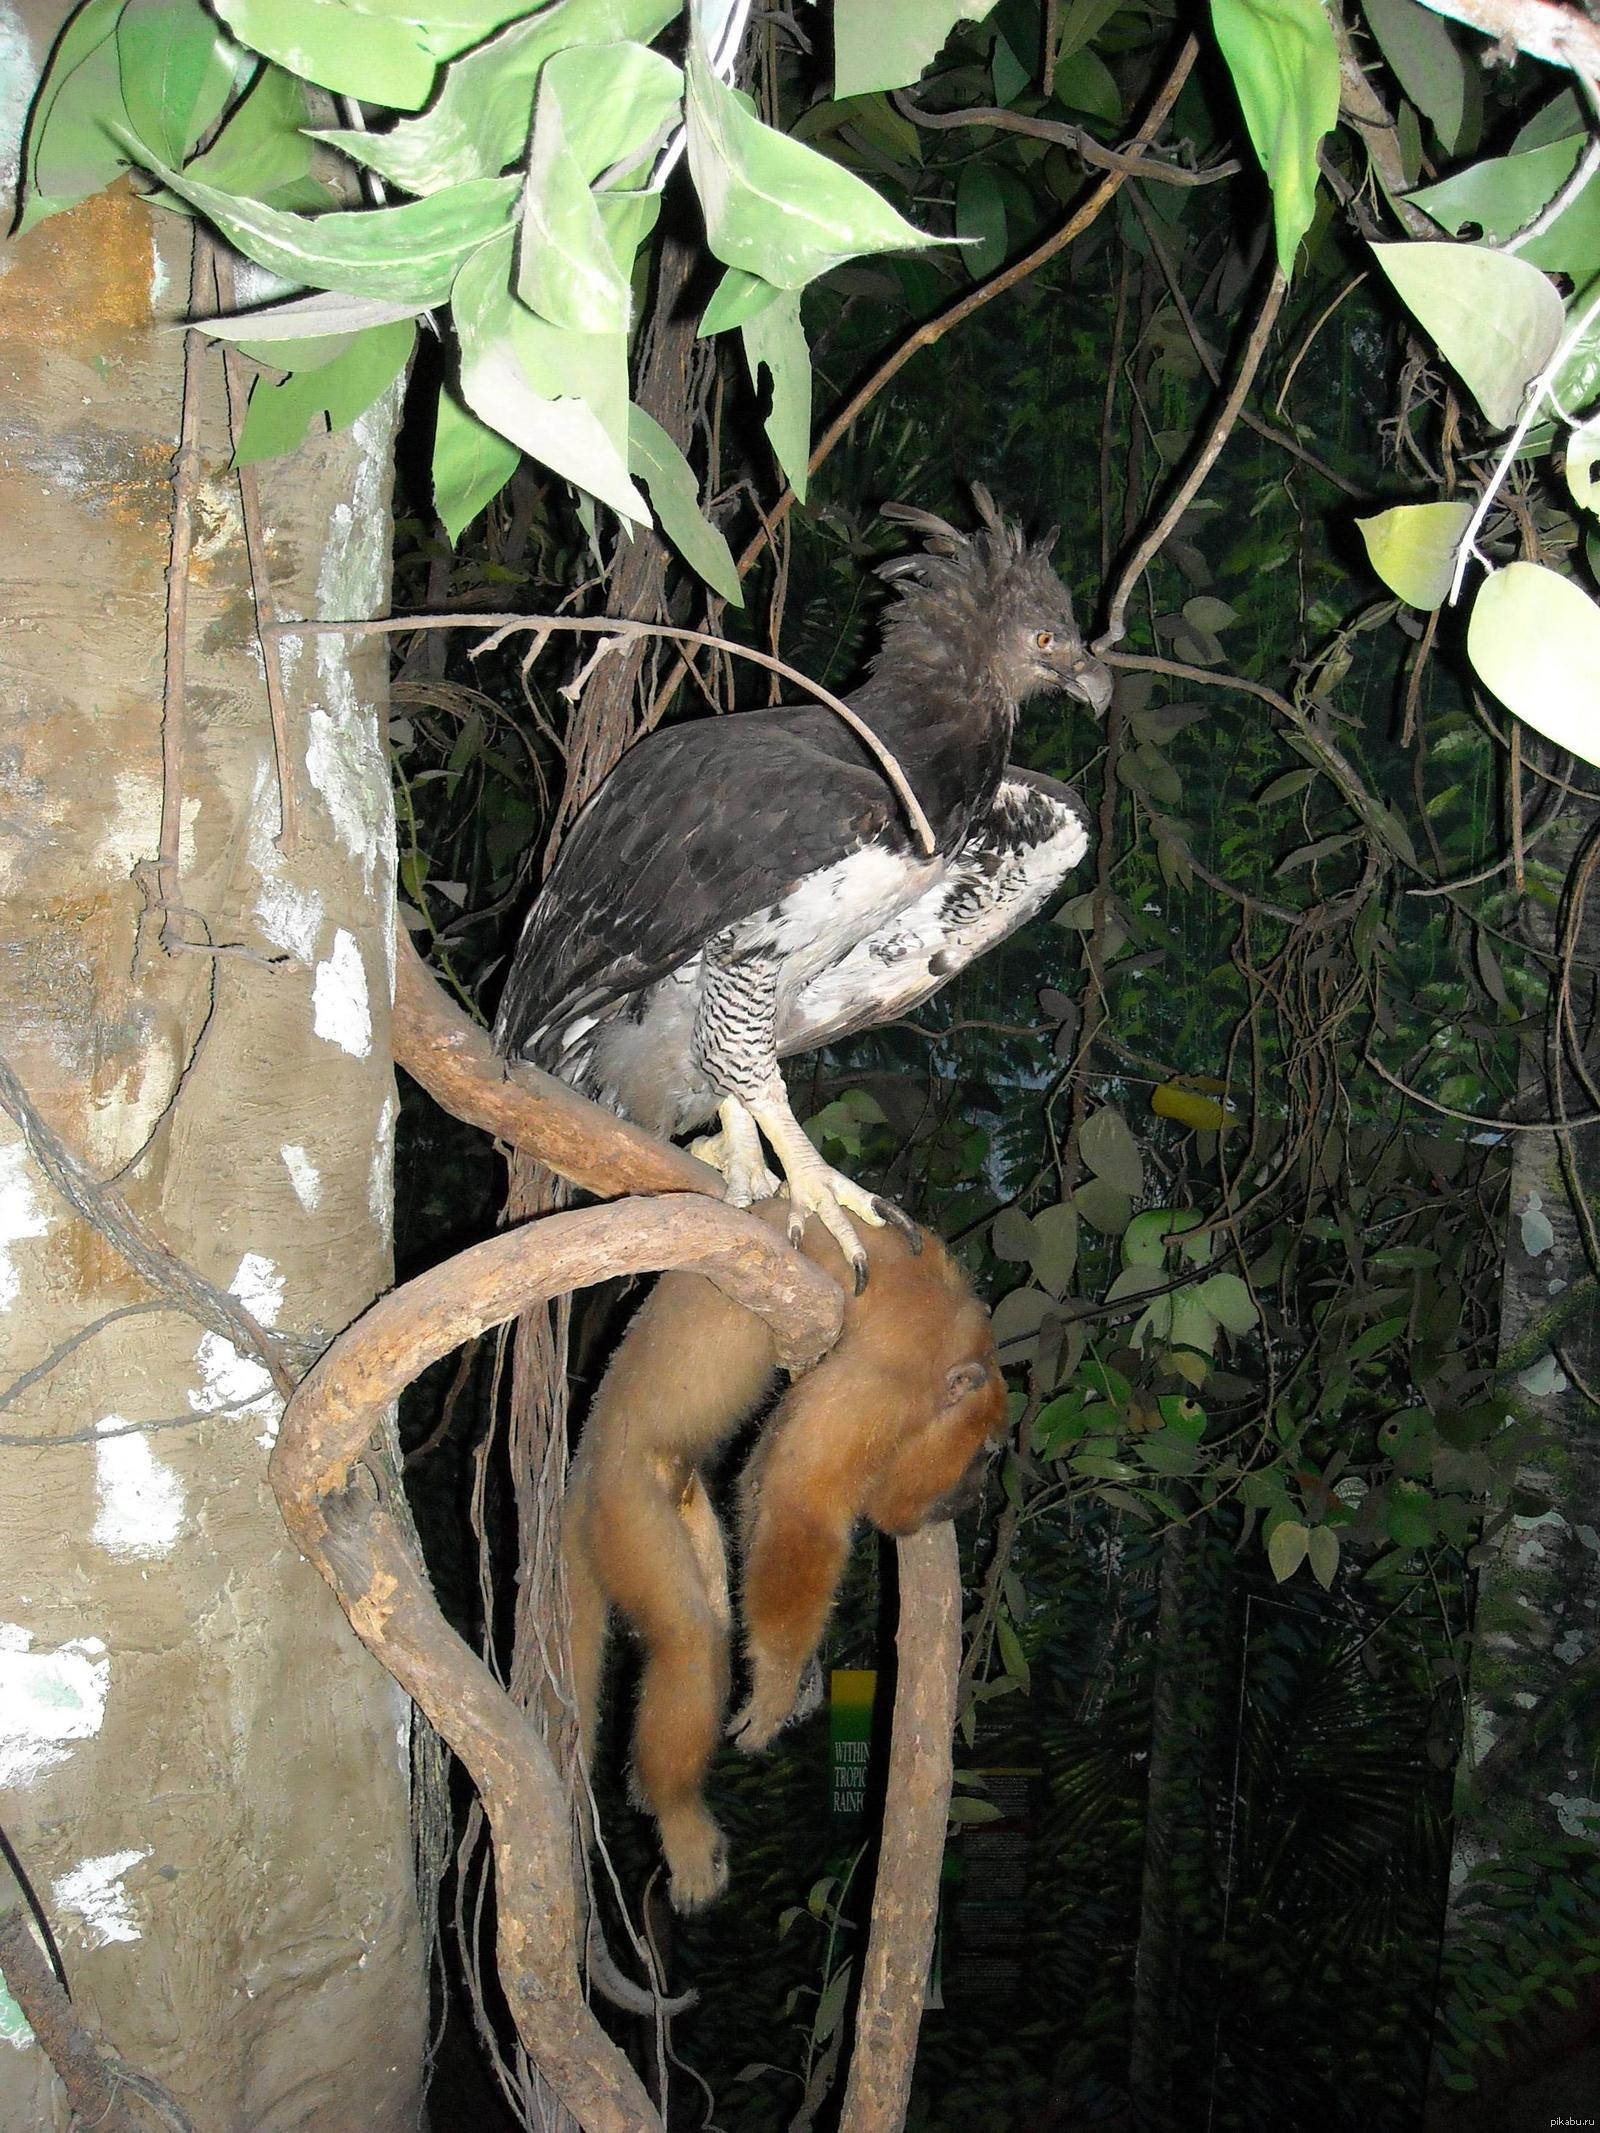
928,1349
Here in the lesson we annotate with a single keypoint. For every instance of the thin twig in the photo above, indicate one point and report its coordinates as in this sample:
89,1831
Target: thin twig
255,548
106,1211
1147,550
1473,1118
185,475
1213,369
1078,139
503,626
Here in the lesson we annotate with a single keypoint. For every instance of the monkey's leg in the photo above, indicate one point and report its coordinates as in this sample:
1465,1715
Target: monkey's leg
794,1558
664,1565
735,1048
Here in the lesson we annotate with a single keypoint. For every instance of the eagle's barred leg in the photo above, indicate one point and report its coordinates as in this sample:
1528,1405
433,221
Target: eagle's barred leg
735,1150
734,1046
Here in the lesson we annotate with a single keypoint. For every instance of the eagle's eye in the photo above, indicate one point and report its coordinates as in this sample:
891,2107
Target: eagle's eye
1044,640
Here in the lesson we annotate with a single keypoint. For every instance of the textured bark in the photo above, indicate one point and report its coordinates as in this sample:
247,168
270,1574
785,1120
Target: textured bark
456,1062
205,1776
905,1895
1536,1626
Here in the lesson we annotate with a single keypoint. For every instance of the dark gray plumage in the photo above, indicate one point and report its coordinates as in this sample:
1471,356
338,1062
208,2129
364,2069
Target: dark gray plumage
744,888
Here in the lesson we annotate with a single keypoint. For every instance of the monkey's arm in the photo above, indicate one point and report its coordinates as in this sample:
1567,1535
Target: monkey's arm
795,1552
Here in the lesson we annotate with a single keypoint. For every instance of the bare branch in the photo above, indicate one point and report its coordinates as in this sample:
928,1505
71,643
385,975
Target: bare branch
1078,139
1562,36
456,1062
905,1899
96,2081
104,1208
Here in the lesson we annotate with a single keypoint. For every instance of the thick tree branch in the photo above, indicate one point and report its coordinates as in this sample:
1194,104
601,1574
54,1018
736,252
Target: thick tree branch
347,1531
905,1900
1562,36
455,1061
96,2081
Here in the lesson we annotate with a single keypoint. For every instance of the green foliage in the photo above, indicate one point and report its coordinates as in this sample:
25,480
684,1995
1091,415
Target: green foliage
1285,68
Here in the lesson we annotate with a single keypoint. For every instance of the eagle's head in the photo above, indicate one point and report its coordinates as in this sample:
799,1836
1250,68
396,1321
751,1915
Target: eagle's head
992,604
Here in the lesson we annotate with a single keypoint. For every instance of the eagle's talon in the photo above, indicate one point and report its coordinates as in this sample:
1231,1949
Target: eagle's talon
897,1218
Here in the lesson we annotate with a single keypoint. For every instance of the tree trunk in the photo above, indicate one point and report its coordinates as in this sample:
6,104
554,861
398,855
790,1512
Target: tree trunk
1527,1769
203,1773
1156,1962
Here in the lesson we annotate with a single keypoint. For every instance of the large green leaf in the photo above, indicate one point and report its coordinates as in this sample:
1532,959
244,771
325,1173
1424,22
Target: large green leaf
668,476
555,394
736,298
1285,69
565,270
1110,1150
409,254
599,106
263,149
1413,549
884,44
71,150
1534,639
479,122
177,72
1428,63
471,465
381,61
772,205
281,334
775,341
617,99
1503,194
1496,319
336,392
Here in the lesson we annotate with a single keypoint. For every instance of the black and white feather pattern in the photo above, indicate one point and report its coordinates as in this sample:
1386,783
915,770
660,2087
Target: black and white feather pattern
770,844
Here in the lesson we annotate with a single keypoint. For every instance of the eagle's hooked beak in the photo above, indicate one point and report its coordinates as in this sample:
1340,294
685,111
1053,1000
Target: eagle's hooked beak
1090,682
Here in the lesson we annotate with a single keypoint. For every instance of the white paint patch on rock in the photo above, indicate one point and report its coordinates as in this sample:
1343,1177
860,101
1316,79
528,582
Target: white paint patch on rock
48,1698
21,1216
341,1010
380,1177
239,1382
1577,1816
132,828
94,1892
304,1176
141,1500
1537,1234
19,71
345,758
344,763
1543,1378
290,917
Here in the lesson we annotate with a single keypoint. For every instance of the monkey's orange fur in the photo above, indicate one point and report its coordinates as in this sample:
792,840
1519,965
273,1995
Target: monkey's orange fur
893,1425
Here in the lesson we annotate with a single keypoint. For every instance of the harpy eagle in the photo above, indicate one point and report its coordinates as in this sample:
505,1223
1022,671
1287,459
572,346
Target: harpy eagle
744,888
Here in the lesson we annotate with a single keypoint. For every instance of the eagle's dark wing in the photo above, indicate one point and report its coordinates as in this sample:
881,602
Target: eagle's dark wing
697,828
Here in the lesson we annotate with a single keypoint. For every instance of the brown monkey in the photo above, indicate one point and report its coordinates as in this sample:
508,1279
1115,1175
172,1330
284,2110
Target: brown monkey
893,1425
